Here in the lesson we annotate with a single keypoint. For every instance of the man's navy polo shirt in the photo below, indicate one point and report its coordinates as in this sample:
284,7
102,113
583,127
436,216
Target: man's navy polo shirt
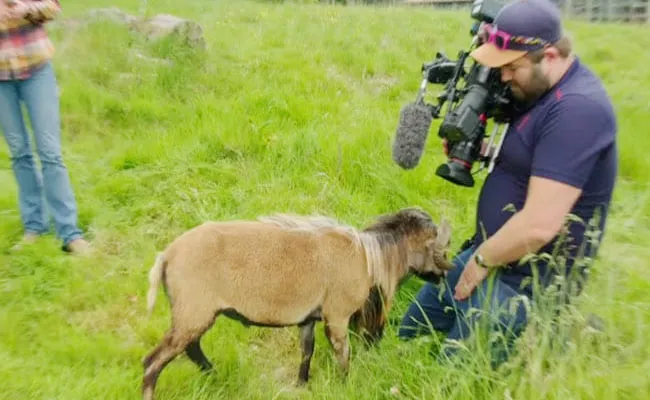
568,136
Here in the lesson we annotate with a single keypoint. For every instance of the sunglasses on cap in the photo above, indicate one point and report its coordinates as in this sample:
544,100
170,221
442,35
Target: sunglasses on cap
489,33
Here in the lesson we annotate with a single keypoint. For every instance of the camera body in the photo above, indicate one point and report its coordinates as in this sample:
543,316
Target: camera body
482,97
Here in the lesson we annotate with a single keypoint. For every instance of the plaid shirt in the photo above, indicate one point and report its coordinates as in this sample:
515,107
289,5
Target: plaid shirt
24,43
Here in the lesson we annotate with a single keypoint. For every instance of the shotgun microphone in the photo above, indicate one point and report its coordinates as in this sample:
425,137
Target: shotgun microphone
412,131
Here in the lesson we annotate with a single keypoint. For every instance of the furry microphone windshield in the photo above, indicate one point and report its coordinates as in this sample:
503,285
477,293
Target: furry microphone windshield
412,130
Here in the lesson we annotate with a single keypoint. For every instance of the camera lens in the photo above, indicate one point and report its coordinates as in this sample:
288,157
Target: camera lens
456,172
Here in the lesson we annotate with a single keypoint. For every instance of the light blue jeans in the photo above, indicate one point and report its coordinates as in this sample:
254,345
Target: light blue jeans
50,184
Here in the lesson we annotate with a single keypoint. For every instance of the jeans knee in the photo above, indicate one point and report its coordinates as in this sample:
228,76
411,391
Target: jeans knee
22,157
411,317
406,332
410,329
50,158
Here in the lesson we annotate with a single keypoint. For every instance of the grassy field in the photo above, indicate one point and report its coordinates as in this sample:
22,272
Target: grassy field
292,109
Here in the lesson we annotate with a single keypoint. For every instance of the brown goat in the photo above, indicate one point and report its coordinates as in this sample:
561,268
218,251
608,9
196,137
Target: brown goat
290,271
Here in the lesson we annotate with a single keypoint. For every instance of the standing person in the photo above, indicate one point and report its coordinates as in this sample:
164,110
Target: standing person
27,78
559,157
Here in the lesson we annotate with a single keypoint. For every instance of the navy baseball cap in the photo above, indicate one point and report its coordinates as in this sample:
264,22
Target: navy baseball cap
520,26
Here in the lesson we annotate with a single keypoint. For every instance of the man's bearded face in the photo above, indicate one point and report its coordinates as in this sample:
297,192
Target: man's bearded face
527,79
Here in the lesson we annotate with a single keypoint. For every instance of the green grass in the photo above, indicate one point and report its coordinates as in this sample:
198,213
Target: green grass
292,109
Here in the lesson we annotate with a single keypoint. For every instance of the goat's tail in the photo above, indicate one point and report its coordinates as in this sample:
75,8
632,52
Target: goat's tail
155,277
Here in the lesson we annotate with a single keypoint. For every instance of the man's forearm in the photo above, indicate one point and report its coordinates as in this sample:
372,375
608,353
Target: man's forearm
516,238
43,10
4,11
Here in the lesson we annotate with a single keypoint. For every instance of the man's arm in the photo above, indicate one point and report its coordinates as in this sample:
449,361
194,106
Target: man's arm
572,137
547,204
574,133
40,11
4,11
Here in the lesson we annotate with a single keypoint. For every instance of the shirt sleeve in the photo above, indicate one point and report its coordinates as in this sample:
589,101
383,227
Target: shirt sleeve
572,137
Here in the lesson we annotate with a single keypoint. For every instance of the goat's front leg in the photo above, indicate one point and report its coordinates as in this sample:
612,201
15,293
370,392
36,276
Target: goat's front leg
337,333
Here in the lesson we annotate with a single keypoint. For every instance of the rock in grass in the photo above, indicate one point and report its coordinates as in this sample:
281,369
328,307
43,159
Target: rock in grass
165,25
157,27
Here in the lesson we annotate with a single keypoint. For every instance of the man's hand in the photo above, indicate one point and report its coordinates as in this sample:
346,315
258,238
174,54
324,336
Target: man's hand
17,9
471,277
4,11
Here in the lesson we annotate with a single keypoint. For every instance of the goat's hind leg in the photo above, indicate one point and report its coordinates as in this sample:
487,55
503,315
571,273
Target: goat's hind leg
170,346
184,335
307,345
195,353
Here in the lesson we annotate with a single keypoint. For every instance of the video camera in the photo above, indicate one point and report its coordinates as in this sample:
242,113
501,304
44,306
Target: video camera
482,97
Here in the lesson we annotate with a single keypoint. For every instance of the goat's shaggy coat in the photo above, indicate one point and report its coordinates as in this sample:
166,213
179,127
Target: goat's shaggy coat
290,270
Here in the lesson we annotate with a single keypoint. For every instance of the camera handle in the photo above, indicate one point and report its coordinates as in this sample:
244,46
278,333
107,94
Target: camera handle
491,157
423,88
498,149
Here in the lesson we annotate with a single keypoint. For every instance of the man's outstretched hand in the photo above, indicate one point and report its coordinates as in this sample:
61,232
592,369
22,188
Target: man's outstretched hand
17,9
471,277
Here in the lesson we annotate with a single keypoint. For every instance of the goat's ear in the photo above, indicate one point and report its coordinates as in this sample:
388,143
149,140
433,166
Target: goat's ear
444,234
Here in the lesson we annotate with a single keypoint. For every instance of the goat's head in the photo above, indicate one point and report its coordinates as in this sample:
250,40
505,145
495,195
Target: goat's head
426,244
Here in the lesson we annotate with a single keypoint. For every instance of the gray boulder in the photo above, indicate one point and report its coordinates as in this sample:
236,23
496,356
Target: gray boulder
165,25
153,28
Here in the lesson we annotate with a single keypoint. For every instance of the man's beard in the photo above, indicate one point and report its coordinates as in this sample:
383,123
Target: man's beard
535,89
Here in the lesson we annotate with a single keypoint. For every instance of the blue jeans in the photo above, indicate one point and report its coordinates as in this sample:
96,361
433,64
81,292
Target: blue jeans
436,308
51,184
